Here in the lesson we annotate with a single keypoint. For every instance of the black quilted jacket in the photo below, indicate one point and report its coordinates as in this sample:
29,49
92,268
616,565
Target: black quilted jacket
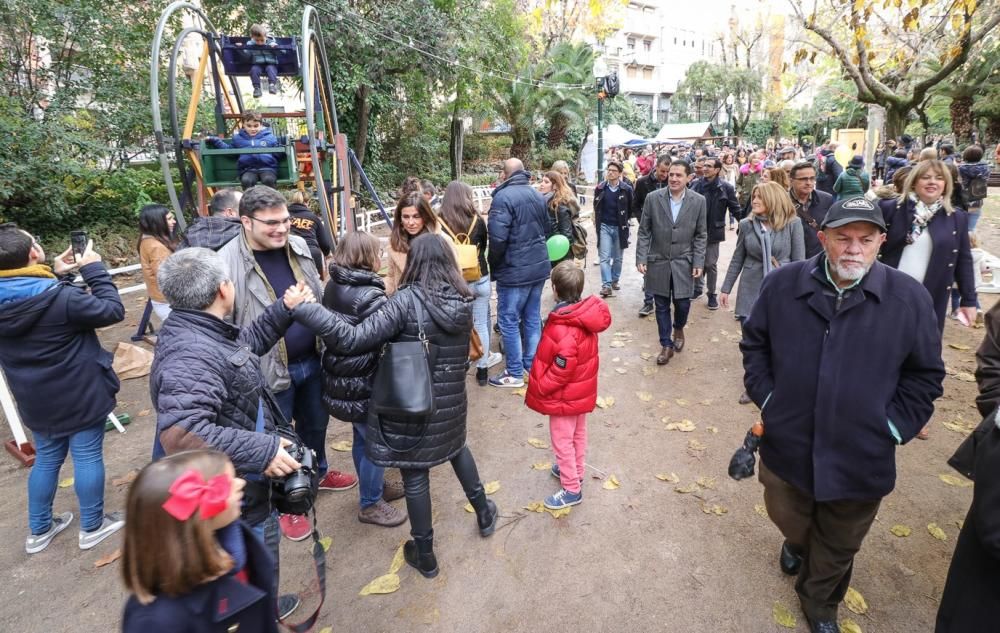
347,378
448,323
206,386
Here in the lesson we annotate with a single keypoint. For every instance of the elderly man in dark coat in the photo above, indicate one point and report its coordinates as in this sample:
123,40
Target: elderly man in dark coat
671,253
843,356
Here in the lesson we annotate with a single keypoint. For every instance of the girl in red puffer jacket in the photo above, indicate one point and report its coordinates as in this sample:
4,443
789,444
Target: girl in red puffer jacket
563,381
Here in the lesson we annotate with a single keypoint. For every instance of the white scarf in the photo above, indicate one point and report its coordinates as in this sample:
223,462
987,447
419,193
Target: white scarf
922,215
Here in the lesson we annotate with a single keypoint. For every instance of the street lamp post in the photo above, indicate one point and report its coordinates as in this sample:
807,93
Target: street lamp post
600,75
697,103
730,101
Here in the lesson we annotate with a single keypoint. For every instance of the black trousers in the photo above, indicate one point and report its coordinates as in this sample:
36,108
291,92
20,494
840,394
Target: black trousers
417,487
266,177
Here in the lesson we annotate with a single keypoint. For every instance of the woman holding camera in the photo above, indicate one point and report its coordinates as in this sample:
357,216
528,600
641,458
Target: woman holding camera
433,303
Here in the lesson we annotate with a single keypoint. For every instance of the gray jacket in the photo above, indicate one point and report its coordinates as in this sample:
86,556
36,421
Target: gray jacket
787,245
254,294
670,251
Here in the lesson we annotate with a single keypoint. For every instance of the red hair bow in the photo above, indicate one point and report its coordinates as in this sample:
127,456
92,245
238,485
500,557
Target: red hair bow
190,492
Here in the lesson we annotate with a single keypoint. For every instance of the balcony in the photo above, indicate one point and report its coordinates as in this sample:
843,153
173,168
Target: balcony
640,85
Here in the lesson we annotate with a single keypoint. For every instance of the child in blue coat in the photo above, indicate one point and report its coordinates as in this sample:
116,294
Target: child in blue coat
263,59
253,168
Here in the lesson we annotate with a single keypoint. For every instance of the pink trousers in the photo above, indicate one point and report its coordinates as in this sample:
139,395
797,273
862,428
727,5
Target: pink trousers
569,441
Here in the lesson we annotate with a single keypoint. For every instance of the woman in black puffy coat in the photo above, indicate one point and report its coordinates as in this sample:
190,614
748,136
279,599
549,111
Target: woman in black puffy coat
355,291
431,279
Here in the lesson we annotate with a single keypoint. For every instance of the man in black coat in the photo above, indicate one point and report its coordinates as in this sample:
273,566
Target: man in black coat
810,205
654,181
60,377
720,196
207,387
223,224
612,208
829,169
843,356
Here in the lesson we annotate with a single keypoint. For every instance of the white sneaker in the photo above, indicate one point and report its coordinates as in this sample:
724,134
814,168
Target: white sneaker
37,542
112,523
495,359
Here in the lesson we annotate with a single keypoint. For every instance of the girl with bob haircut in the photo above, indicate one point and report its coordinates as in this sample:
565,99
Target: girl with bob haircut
188,560
413,217
156,243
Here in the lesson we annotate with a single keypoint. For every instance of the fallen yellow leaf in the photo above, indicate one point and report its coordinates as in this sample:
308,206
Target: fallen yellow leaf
645,396
142,413
782,616
706,482
611,483
900,530
520,391
960,523
621,370
687,489
711,429
848,625
681,402
326,629
537,443
558,514
127,478
617,344
326,542
855,601
705,403
957,427
959,347
937,532
616,359
714,508
952,480
760,509
468,508
388,583
542,466
343,446
645,356
108,559
714,339
648,371
623,334
66,483
695,445
397,561
685,426
492,487
535,506
965,376
669,478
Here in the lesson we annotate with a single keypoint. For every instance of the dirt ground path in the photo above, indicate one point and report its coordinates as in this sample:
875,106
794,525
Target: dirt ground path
642,557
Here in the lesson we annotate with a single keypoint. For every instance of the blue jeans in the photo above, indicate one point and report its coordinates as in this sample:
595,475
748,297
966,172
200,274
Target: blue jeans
481,315
610,251
269,531
975,210
517,306
663,325
371,478
303,402
87,447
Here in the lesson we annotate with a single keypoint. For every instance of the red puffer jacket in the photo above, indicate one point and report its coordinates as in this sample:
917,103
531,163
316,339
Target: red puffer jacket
564,372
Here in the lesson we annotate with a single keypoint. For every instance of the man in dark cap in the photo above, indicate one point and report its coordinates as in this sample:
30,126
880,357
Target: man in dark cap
843,356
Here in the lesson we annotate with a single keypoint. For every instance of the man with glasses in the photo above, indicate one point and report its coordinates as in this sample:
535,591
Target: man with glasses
810,204
264,261
720,196
612,206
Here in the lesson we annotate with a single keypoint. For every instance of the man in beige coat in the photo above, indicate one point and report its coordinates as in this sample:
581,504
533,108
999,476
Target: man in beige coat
671,253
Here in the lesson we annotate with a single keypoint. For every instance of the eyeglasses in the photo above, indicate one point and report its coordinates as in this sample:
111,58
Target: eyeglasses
612,170
285,221
806,179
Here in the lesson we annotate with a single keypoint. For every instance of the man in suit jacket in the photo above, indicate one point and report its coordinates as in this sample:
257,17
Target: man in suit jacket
671,253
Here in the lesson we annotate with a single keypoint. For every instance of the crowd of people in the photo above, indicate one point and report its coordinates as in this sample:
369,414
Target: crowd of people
265,336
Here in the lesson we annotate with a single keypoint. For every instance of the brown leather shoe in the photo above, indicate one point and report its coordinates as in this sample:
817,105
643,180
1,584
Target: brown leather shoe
392,490
382,514
665,355
679,340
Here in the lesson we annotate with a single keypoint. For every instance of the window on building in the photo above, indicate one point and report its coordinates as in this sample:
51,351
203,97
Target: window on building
630,43
647,45
684,42
647,73
675,41
631,72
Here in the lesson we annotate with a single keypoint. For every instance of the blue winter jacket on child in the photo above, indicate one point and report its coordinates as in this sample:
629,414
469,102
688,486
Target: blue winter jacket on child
246,162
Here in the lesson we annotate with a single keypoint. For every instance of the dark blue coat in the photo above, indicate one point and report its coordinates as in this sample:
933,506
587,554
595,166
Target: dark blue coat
626,197
829,381
57,370
812,218
891,165
518,224
216,606
241,140
720,196
951,259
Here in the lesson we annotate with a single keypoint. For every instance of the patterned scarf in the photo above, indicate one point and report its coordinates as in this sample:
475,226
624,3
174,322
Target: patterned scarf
922,215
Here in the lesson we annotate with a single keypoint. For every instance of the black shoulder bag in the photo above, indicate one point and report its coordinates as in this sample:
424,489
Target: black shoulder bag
403,384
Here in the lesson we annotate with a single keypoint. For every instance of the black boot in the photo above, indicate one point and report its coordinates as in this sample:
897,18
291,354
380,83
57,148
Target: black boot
482,376
486,512
419,554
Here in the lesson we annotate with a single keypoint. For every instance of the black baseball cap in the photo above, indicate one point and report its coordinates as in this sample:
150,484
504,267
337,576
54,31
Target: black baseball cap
858,209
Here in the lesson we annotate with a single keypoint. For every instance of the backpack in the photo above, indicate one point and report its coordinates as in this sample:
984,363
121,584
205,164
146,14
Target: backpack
976,190
466,252
579,245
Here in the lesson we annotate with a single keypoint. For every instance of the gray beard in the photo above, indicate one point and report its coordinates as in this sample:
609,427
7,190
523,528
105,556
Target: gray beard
851,273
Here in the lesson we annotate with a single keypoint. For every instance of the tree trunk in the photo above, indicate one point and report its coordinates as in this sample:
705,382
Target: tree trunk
520,146
895,123
961,119
558,127
456,145
993,131
363,110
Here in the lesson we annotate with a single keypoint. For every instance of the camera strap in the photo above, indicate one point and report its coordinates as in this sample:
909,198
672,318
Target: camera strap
319,561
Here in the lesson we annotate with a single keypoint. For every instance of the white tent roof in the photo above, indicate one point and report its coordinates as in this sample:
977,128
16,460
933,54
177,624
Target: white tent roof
684,131
613,135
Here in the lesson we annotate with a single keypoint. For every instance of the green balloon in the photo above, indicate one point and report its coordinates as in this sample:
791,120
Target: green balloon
558,246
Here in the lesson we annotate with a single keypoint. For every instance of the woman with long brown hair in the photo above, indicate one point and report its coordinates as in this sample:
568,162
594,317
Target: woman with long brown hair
156,243
460,221
413,217
562,207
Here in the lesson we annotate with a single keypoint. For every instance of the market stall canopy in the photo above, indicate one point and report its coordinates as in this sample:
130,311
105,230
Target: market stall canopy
613,135
685,132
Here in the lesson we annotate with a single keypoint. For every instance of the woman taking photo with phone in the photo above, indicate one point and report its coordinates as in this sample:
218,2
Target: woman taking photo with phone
156,243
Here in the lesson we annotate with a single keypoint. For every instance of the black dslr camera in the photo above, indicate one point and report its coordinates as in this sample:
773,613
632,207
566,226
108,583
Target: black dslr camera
296,493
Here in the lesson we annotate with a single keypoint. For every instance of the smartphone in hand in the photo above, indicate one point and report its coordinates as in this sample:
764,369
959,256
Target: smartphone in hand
78,242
